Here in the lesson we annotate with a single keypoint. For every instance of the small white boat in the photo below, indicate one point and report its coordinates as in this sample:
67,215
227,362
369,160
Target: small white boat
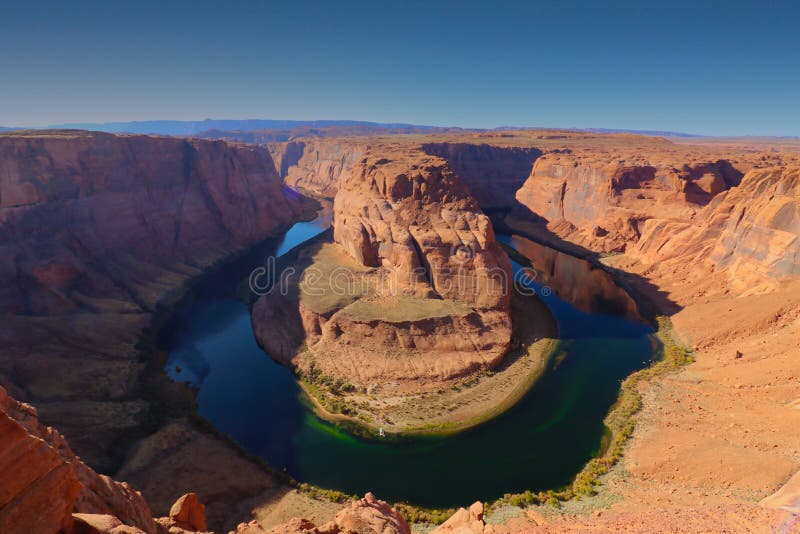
381,433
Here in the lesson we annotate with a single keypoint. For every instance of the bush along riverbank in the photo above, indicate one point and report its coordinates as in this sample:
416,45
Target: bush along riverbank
620,424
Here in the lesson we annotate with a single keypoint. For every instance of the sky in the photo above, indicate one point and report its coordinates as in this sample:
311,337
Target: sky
706,67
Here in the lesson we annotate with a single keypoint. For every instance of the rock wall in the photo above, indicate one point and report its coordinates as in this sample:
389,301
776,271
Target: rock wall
98,222
600,201
95,231
433,303
750,233
580,282
44,481
493,173
412,215
316,166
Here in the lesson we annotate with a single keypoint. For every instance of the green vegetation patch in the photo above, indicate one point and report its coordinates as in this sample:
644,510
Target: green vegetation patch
620,424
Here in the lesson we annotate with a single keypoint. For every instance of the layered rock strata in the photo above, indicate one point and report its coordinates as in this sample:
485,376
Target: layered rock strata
431,300
749,234
316,166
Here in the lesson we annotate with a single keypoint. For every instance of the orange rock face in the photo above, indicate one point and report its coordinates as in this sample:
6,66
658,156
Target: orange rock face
43,480
601,201
189,513
316,166
750,233
371,515
38,486
437,302
466,522
412,215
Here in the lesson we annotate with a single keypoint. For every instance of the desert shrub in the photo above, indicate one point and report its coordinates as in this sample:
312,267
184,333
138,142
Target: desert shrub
620,424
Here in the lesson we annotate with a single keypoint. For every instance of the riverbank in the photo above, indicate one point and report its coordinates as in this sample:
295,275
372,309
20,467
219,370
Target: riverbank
712,439
464,403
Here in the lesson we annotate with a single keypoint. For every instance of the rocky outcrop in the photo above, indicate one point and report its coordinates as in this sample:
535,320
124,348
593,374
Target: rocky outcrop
38,486
429,300
46,488
466,522
750,233
412,216
363,516
188,513
44,480
600,200
371,515
98,222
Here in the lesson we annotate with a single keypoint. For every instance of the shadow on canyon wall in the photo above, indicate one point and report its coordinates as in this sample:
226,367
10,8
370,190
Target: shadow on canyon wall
519,219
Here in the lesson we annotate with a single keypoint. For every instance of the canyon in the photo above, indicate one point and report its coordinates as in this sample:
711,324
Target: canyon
101,233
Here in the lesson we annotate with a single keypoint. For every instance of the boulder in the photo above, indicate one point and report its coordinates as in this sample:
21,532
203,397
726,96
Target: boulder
189,513
466,522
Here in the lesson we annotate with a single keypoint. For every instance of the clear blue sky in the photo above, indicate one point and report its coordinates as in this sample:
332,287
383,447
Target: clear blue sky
711,67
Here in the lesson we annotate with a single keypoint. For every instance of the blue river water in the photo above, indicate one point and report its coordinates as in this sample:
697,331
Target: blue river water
539,444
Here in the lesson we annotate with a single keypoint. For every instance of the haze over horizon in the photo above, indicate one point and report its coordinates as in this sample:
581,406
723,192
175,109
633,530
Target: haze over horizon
720,68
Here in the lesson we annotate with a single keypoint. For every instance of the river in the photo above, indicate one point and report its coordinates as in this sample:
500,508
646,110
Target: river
539,444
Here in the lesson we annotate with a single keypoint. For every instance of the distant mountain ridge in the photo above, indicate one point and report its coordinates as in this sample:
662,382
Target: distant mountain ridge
171,127
655,133
222,128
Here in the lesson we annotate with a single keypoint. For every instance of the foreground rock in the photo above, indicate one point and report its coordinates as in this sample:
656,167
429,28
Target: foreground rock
466,522
47,488
364,516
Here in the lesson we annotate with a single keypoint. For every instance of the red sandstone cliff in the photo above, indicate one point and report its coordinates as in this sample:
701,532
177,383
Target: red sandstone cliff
44,481
492,173
600,200
749,234
95,230
105,223
316,166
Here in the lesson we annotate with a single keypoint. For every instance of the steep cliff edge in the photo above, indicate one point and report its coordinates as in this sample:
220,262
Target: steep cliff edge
599,200
316,166
492,173
412,218
430,300
44,481
749,235
95,230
